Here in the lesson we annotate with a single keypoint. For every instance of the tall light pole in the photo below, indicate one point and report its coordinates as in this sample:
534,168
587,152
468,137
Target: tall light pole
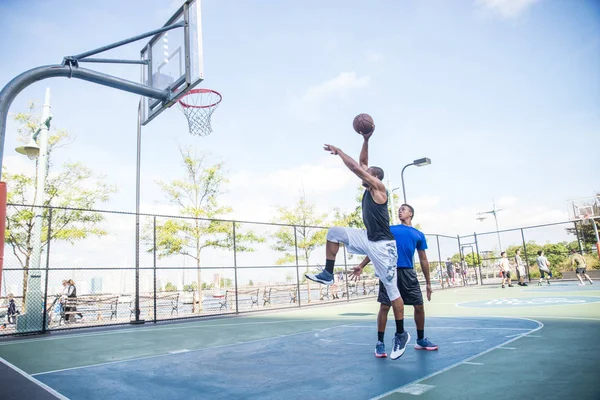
419,163
494,212
34,303
392,205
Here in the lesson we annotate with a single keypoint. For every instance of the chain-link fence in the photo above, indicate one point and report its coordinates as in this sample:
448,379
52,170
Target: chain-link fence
69,268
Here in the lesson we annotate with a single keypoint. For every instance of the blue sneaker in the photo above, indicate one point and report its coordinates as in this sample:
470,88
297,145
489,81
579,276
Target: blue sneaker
380,350
400,342
323,277
425,344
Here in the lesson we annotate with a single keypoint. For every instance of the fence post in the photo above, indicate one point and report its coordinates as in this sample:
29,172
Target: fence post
526,257
298,269
346,270
578,238
460,254
45,315
154,263
478,259
235,279
437,238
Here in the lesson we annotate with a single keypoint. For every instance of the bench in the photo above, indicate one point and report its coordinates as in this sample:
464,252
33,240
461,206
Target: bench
230,296
273,292
88,304
168,301
352,289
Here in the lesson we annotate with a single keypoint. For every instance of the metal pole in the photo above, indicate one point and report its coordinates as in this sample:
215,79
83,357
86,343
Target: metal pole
33,305
137,218
597,237
578,238
125,41
526,257
297,268
235,278
154,261
17,84
49,234
478,259
402,178
392,205
346,269
462,276
437,238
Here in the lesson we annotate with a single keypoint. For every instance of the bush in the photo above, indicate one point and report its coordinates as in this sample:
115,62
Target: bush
592,261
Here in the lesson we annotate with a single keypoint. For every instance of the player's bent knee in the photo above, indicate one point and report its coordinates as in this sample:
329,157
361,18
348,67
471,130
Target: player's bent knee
337,234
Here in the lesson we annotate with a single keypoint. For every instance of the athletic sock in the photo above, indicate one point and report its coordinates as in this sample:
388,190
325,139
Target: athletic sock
399,326
380,336
420,334
329,266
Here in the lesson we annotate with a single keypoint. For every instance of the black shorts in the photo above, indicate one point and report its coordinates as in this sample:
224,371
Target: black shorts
409,287
506,274
580,271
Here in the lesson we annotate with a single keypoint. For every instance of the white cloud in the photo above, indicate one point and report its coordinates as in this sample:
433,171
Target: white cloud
336,87
507,8
507,201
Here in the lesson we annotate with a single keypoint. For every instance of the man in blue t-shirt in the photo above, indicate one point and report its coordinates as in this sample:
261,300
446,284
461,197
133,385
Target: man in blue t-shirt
408,239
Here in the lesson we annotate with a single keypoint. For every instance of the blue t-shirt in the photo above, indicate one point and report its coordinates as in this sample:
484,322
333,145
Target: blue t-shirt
407,240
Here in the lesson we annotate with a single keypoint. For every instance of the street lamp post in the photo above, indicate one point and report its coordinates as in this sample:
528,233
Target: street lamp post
392,205
494,212
34,303
419,163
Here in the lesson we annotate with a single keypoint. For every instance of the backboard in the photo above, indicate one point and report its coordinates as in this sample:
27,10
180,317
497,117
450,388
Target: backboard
584,208
173,59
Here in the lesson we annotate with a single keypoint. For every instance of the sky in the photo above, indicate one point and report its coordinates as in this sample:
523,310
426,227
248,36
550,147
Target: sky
502,95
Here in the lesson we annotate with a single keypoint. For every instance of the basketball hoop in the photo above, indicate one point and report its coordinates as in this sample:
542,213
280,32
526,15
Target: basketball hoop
198,106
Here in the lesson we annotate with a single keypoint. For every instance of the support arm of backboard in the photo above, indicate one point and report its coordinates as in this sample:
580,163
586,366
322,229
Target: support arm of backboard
15,86
73,60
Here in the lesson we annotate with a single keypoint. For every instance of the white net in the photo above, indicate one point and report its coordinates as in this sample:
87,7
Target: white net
198,106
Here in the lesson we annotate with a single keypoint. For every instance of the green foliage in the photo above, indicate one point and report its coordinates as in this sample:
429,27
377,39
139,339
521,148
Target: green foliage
197,197
250,283
586,234
169,287
190,288
352,219
305,220
73,185
225,282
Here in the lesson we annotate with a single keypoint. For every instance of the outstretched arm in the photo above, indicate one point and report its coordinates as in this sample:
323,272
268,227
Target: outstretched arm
364,152
353,166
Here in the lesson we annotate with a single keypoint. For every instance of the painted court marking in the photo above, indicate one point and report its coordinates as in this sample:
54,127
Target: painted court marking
32,379
472,363
470,341
179,351
416,389
540,326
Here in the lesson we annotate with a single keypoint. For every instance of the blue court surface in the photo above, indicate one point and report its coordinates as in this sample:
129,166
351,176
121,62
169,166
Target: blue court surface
334,362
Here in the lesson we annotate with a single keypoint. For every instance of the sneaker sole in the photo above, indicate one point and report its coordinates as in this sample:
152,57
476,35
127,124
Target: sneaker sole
384,355
403,350
328,283
426,348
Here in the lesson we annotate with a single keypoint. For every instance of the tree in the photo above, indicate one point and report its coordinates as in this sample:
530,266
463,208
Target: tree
73,185
305,220
586,234
169,287
352,219
250,283
197,197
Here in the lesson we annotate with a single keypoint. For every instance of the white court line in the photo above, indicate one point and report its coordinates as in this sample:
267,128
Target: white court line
179,351
452,327
472,363
507,348
540,326
67,336
32,379
575,318
416,389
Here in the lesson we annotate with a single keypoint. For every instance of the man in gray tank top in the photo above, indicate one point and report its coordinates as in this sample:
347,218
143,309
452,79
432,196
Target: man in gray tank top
376,242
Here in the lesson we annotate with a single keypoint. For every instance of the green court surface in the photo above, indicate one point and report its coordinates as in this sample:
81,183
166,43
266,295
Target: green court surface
533,342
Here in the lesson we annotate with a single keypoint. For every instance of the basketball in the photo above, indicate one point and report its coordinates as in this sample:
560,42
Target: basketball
363,123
